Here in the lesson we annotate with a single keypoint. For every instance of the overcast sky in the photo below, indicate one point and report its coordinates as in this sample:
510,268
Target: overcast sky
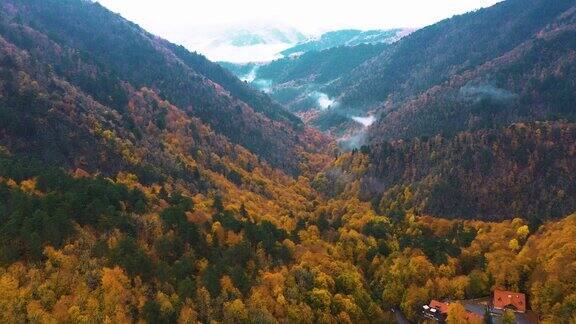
192,21
307,15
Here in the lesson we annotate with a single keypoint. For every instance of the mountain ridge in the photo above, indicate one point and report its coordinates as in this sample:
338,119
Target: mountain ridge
347,37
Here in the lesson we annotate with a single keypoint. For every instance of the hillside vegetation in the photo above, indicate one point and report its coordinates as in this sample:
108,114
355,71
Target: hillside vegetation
140,182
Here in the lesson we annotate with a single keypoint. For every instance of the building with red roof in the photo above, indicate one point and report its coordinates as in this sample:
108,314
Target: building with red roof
503,300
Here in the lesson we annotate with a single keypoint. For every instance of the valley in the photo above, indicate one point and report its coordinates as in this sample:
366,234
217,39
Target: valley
359,177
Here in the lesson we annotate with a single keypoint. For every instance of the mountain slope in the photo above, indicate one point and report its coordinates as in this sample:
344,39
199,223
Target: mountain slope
534,81
48,119
259,101
80,50
319,67
433,54
525,169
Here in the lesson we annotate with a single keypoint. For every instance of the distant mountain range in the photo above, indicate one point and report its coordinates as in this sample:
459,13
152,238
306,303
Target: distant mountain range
347,37
264,43
259,35
248,42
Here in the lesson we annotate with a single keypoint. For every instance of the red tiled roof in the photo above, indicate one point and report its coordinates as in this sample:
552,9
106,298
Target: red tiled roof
508,299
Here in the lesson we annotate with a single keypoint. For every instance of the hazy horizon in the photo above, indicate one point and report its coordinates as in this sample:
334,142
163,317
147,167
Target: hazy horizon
197,25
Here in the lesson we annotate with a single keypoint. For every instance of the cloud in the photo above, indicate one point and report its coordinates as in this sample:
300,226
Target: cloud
486,91
323,100
250,76
242,54
353,141
365,121
262,85
358,138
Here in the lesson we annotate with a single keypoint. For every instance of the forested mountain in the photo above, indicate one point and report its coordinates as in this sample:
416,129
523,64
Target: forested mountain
320,67
483,58
299,82
495,139
293,81
140,182
521,170
533,81
347,37
433,54
74,39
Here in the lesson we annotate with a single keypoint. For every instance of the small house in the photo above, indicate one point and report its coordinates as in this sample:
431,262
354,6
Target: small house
504,300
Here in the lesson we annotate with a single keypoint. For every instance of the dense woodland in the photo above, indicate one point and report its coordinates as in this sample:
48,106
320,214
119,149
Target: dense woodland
524,169
319,66
141,252
534,81
142,183
434,54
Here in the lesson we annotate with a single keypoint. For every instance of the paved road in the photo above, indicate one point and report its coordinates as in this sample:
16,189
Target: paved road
400,318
